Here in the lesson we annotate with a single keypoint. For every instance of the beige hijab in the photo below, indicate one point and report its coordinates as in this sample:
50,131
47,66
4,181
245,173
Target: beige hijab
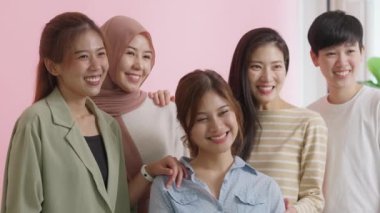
119,32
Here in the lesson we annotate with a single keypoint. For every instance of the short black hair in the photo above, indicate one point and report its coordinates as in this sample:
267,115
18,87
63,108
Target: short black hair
333,28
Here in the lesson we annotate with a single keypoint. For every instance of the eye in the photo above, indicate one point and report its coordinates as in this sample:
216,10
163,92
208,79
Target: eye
255,67
330,54
102,53
83,57
350,51
223,112
147,57
277,67
130,52
200,119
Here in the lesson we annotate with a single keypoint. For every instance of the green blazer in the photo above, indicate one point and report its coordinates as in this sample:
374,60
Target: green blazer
50,167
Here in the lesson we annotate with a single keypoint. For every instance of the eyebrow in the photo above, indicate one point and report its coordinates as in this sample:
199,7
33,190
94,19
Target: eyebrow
260,62
81,51
219,108
135,49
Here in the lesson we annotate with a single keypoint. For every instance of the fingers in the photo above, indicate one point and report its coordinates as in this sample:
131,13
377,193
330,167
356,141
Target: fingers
177,170
150,94
286,201
156,98
165,98
182,173
170,167
161,97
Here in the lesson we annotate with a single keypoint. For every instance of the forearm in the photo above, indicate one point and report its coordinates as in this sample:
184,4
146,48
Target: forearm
310,196
310,204
138,186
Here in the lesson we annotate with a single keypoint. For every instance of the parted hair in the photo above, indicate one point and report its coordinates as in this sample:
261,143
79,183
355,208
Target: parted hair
56,39
190,90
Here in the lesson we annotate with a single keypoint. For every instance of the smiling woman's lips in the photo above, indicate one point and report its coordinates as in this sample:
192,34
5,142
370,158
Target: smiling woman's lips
133,78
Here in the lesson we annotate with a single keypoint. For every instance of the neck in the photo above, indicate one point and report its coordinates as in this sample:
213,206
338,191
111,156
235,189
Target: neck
275,105
342,95
76,104
217,162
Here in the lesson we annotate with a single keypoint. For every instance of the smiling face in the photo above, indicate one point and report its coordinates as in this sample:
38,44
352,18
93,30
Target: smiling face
84,66
266,74
215,127
135,64
339,65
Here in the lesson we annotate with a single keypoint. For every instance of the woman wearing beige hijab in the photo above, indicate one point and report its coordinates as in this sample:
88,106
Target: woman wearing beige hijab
149,132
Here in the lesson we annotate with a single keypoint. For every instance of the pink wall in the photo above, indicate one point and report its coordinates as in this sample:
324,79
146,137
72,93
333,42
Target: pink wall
187,35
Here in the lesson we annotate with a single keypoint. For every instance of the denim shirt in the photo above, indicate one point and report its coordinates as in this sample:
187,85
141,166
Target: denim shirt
243,190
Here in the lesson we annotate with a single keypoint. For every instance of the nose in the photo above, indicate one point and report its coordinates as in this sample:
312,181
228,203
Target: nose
95,63
342,59
266,74
137,63
216,124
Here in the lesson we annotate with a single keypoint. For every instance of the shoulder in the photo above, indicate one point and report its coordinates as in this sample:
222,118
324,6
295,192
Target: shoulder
316,105
36,111
303,115
370,94
249,173
149,103
310,116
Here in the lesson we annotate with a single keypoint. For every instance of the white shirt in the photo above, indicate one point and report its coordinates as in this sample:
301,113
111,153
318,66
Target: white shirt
155,131
352,178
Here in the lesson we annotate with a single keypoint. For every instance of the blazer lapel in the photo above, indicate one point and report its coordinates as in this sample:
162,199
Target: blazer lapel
62,116
79,145
112,145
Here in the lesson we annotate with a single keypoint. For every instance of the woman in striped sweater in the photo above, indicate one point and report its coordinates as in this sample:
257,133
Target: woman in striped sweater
290,144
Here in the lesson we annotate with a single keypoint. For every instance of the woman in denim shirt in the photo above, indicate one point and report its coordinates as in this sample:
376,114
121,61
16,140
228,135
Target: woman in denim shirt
217,181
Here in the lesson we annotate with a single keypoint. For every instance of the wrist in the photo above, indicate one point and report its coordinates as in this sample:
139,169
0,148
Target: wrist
145,173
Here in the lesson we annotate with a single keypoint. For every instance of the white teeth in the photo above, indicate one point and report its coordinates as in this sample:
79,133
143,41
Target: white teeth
218,137
344,73
92,78
265,88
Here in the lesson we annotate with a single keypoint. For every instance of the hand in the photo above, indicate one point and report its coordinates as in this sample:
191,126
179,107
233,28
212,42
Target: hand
168,166
289,207
161,97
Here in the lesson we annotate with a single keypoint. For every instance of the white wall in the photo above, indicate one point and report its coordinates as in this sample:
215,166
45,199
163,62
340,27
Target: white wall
314,85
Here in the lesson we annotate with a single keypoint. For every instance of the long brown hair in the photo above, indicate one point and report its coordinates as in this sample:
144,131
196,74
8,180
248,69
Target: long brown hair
239,82
56,39
190,90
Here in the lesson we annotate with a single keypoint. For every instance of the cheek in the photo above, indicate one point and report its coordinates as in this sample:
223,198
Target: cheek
232,120
105,64
253,79
119,78
147,68
356,62
194,134
125,64
281,77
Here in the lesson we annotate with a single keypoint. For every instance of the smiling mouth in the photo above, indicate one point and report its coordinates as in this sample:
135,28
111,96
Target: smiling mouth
133,77
342,73
219,138
265,89
93,80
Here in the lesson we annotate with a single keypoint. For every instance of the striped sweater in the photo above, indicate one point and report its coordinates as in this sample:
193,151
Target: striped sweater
291,147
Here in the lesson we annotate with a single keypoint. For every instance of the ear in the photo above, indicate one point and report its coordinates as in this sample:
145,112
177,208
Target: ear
314,58
51,67
362,53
